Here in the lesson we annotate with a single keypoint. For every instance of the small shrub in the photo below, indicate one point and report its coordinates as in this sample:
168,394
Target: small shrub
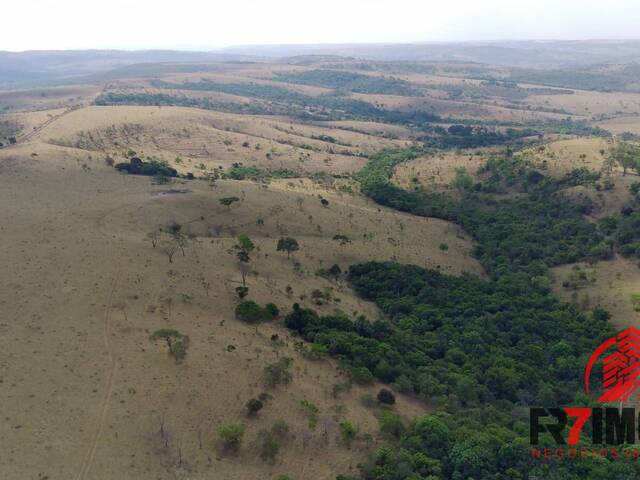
331,273
242,292
253,406
280,429
228,201
278,373
268,446
176,341
231,434
348,432
386,396
311,411
271,310
635,301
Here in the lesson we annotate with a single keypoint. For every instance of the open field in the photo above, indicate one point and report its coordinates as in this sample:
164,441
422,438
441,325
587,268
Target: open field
437,171
609,284
213,139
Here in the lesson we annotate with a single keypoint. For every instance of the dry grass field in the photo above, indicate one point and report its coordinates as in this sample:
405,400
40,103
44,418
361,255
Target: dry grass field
85,391
610,284
437,171
559,157
205,140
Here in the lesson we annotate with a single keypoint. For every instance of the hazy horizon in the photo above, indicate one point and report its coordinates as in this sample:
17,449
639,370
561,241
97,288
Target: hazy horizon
208,26
222,49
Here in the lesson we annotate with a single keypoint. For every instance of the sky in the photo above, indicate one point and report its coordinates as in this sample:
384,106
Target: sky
210,24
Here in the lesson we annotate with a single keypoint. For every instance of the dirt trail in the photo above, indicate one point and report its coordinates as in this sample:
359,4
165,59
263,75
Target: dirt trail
36,130
112,366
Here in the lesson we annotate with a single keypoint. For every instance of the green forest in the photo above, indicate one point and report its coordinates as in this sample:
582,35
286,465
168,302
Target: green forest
482,350
351,82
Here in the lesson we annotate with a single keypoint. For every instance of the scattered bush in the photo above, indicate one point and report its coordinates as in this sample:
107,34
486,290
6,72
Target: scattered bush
231,434
253,406
278,373
333,272
386,396
242,292
280,430
250,312
311,411
348,432
267,445
228,201
176,341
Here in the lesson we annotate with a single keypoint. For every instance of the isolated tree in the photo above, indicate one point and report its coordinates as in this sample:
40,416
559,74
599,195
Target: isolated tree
169,248
386,396
324,202
287,244
253,406
176,341
243,249
231,434
181,240
228,201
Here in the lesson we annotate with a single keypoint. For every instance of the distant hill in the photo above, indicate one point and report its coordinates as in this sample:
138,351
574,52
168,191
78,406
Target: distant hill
51,65
33,67
535,54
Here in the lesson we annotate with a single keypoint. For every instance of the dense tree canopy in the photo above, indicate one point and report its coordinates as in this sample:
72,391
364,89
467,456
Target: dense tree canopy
483,350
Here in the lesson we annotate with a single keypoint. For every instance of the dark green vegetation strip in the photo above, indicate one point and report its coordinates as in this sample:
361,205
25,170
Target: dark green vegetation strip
621,79
280,102
469,136
164,99
351,82
484,350
239,172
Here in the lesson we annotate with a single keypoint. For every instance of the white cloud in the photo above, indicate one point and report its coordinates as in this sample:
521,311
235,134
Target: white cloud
59,24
